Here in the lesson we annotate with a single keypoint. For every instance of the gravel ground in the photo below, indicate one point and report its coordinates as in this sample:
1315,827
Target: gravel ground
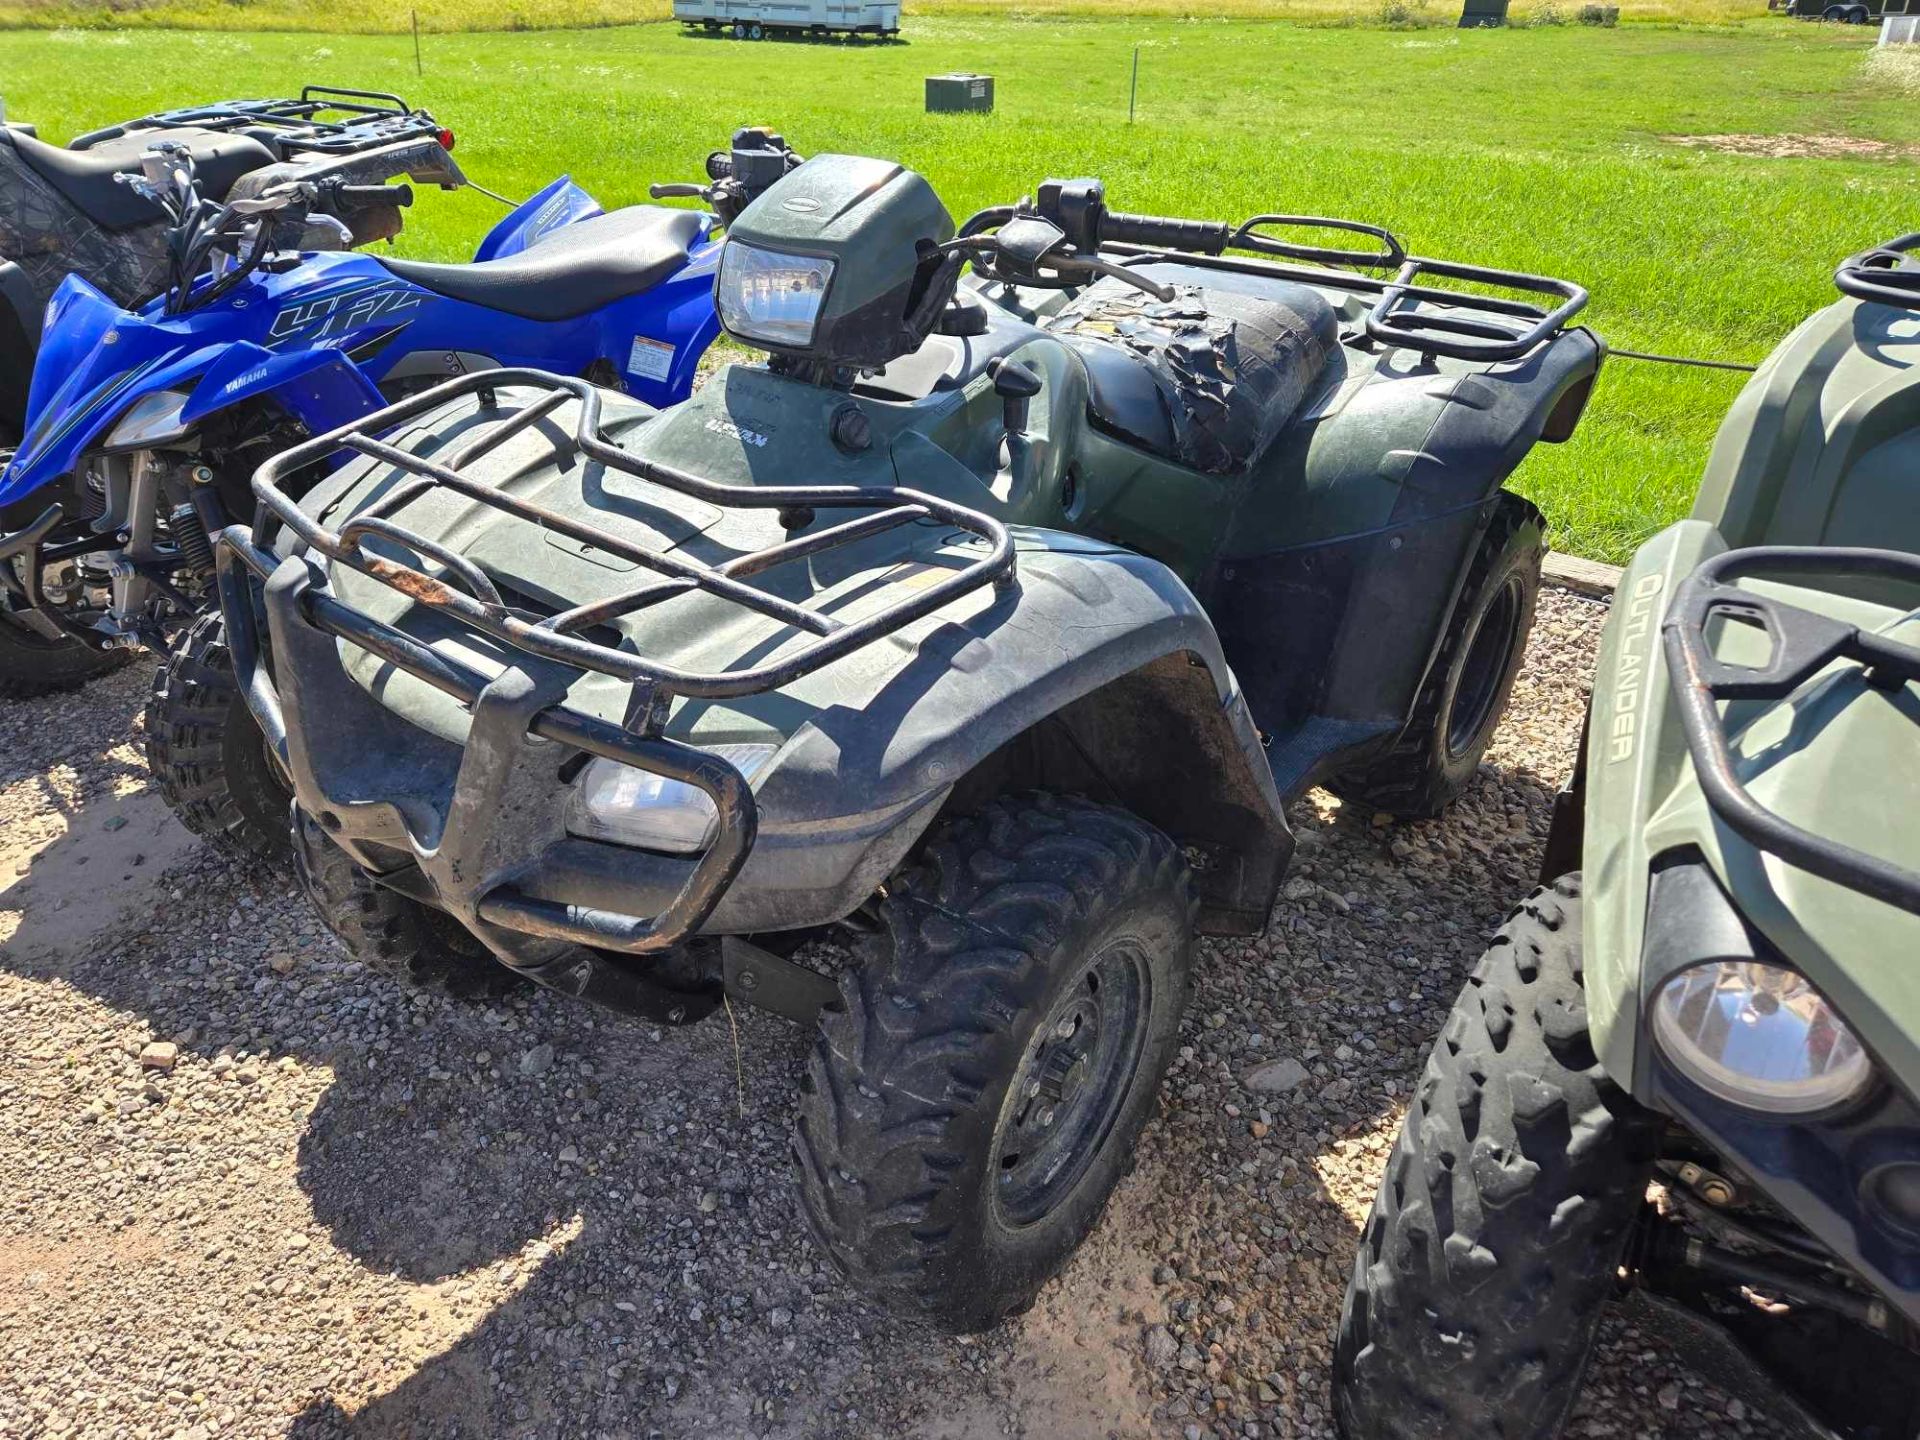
248,1188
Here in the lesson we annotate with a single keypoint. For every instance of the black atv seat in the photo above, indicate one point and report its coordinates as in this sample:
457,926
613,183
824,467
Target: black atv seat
1207,379
85,177
577,268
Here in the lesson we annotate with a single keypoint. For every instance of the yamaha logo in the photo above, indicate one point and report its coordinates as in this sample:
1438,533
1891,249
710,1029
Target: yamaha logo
801,205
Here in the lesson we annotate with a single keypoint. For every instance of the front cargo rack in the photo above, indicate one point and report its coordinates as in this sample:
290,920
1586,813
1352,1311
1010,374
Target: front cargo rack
1801,645
464,592
474,599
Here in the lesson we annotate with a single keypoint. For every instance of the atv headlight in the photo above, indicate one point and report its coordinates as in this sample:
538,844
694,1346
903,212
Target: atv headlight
150,420
1760,1036
771,297
639,807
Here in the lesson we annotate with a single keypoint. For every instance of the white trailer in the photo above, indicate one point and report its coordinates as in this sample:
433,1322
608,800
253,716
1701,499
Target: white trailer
757,19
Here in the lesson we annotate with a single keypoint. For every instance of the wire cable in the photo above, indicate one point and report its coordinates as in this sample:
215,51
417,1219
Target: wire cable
491,195
1681,360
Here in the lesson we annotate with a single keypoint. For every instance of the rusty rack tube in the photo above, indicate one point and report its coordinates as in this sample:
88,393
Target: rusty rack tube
465,592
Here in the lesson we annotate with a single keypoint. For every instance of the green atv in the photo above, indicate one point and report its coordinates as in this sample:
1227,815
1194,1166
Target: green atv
1719,1000
992,624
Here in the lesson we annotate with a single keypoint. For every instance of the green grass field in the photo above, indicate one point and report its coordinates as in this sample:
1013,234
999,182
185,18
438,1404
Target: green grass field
386,16
1540,149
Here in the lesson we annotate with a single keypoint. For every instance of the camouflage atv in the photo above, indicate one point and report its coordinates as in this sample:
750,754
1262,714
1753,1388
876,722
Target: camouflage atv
992,624
1718,991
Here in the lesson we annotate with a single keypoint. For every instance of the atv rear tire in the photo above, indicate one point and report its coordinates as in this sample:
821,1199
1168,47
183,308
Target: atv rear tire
33,664
208,756
975,1094
1465,694
1507,1203
386,930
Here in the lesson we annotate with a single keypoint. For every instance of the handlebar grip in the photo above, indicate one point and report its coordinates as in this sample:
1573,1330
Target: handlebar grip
362,197
719,166
1207,237
677,190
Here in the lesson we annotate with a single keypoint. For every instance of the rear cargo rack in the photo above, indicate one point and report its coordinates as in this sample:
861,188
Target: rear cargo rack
366,118
1888,274
1412,316
1802,645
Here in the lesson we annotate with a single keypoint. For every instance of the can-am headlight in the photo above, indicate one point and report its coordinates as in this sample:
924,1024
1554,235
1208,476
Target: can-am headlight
1759,1036
771,297
638,807
150,420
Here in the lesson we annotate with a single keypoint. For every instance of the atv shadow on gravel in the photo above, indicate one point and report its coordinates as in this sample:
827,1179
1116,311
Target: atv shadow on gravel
629,1157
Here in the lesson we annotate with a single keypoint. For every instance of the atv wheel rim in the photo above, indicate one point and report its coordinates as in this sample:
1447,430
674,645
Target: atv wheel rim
1071,1085
1489,650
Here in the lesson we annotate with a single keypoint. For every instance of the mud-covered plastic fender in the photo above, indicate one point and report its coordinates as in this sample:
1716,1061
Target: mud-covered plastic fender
1096,672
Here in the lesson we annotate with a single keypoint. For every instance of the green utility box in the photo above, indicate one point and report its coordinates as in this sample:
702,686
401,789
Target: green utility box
951,94
1483,14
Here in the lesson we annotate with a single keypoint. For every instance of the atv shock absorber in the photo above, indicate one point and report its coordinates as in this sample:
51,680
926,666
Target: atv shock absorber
191,539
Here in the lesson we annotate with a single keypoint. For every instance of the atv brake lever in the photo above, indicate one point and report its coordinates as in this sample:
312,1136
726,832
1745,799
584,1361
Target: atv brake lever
1097,266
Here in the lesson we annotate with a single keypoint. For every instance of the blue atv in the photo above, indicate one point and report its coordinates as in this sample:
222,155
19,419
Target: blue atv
143,429
64,211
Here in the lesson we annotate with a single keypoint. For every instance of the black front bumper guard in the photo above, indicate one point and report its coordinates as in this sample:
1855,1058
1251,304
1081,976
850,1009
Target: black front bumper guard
1803,644
528,698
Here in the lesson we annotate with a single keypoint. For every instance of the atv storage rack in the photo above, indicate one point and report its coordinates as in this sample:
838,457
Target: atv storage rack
1418,317
503,713
368,118
1802,644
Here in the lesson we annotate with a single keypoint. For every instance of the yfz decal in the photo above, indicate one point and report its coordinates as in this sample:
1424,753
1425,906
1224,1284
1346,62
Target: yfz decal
337,314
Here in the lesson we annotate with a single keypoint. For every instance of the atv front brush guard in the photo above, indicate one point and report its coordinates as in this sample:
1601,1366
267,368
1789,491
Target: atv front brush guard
503,716
1803,644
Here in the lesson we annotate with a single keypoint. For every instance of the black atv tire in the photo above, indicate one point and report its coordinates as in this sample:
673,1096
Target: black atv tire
990,966
32,664
1507,1203
388,931
1465,694
208,756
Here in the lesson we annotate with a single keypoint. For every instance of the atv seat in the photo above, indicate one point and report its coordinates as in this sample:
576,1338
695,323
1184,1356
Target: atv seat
1207,379
574,270
86,177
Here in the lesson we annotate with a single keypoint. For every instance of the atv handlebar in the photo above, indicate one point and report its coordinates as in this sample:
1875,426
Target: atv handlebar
736,178
343,199
1204,237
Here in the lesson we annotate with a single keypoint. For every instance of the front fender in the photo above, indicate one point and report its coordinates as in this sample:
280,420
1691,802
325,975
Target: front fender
1096,672
320,388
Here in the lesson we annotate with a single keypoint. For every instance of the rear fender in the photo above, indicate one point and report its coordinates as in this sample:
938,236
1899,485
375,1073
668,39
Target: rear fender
320,388
560,204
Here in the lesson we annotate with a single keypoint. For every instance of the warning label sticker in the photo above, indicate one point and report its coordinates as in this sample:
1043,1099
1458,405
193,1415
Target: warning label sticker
650,359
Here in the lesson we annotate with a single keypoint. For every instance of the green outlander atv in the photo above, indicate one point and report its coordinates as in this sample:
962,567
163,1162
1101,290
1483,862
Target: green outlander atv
991,623
1690,1063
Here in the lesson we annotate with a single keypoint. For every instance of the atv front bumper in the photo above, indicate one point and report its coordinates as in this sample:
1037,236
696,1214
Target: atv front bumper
464,828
